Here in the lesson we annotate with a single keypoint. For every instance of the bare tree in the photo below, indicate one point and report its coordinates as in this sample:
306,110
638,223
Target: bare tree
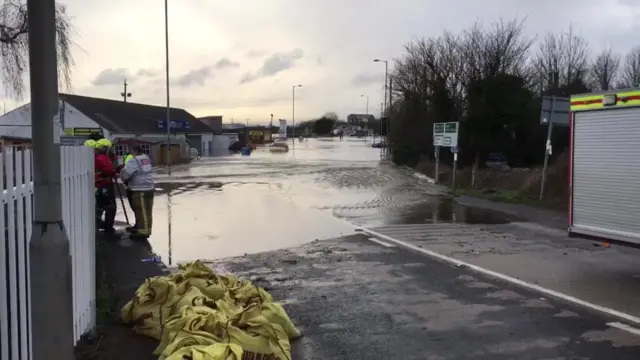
561,59
630,74
14,45
604,69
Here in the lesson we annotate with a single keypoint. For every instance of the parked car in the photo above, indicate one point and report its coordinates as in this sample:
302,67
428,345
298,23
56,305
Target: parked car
279,147
193,152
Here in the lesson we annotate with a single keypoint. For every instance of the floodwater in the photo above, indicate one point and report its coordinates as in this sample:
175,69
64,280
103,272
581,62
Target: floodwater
227,206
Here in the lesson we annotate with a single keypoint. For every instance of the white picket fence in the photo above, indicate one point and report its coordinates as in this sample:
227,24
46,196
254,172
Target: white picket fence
16,215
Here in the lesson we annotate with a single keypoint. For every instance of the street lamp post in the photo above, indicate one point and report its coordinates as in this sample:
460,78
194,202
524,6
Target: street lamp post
386,76
366,113
166,50
50,281
293,116
386,105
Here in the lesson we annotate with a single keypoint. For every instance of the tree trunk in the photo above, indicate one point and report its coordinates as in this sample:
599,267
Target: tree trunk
474,170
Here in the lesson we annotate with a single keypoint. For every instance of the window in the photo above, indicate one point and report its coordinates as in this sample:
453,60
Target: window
146,149
120,150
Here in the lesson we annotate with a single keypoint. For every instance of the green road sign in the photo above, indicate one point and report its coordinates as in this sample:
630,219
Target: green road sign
446,134
451,127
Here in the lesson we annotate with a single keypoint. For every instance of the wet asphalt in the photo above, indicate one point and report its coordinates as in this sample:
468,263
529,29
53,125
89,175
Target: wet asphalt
355,299
282,219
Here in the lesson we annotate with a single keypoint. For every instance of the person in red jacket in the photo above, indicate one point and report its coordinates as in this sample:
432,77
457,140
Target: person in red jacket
105,173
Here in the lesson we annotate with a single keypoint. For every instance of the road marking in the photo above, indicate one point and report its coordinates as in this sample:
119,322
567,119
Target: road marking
381,242
503,277
624,327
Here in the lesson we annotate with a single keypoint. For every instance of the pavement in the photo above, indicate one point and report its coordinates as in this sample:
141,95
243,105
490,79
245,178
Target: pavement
119,272
432,277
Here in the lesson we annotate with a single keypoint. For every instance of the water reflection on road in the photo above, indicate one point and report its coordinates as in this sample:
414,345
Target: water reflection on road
229,206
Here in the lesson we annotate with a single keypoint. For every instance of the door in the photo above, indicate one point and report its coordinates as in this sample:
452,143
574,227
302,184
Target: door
606,174
195,141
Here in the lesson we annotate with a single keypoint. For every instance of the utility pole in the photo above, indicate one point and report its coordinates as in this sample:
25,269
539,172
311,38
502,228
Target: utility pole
271,128
125,94
366,112
293,118
51,301
166,50
388,149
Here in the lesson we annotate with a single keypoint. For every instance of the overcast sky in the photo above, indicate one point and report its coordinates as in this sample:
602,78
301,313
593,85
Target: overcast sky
240,59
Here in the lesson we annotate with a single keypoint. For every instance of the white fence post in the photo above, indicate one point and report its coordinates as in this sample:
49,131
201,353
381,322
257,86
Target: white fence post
16,216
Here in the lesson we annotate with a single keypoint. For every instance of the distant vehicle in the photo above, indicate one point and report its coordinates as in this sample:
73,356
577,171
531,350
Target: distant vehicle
279,147
497,161
236,146
377,145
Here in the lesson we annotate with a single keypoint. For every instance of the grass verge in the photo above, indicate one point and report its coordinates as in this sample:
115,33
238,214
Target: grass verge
510,196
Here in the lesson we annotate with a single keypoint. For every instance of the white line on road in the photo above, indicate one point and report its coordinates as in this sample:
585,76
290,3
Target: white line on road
503,277
381,242
624,327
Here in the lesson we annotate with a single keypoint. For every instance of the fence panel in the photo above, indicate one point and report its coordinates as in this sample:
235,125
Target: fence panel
16,217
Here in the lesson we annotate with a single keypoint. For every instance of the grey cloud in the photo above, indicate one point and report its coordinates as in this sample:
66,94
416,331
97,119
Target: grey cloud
274,64
147,73
256,53
365,79
117,76
194,77
226,63
110,77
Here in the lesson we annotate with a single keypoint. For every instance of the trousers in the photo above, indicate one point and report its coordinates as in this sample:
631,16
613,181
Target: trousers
106,203
142,206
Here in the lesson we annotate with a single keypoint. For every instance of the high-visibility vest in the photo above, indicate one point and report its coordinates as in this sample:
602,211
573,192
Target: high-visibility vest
128,158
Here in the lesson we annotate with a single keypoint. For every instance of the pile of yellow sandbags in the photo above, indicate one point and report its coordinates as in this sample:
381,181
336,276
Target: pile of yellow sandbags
197,314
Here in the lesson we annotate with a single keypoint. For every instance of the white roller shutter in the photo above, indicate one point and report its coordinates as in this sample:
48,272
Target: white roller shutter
606,174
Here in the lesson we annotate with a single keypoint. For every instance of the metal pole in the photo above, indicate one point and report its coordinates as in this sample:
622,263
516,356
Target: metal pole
293,120
386,81
547,148
51,302
166,50
271,128
436,176
389,116
455,168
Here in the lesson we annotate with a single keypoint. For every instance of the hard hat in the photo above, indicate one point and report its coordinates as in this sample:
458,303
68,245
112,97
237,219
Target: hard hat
103,143
90,143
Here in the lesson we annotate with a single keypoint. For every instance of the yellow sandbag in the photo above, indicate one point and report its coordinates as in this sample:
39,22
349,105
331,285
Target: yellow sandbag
246,293
146,311
211,352
192,326
201,323
275,313
188,340
229,306
187,295
255,334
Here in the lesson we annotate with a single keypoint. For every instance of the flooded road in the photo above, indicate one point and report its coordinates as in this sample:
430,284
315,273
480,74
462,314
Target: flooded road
227,206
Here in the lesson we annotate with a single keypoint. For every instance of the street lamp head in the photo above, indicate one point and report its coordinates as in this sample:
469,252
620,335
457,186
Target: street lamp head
376,60
299,85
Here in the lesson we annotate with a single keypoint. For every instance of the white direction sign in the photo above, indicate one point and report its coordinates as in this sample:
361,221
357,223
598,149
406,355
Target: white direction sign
446,134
